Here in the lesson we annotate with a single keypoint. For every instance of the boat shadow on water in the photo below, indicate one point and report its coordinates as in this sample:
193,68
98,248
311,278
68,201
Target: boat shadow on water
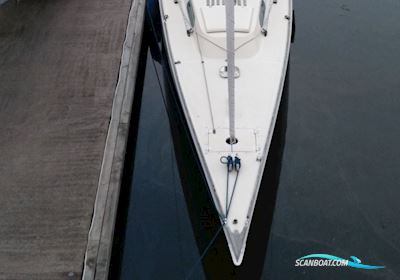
216,262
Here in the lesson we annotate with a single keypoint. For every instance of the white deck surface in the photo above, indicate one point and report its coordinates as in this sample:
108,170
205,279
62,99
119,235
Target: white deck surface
262,62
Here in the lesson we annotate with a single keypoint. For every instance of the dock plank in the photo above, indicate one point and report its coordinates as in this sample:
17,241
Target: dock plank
59,66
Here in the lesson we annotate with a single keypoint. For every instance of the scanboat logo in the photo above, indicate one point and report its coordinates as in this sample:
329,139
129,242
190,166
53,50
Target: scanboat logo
329,260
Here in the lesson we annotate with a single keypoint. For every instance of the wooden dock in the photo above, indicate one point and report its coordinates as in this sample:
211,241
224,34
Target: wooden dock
67,74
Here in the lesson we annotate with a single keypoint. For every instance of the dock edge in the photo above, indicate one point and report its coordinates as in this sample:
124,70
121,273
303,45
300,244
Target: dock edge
100,237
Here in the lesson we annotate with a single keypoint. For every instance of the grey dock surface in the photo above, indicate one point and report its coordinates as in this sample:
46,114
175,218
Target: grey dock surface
65,101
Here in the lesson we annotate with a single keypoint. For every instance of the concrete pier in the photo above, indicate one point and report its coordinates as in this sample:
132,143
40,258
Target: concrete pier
65,101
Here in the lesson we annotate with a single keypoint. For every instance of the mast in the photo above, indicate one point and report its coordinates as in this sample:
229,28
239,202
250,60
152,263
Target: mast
230,58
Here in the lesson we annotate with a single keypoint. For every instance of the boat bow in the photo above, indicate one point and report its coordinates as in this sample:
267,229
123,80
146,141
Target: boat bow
195,33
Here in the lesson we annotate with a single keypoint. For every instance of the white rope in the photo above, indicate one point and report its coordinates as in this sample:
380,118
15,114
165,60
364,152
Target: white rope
188,24
248,41
206,83
211,42
224,49
268,6
230,56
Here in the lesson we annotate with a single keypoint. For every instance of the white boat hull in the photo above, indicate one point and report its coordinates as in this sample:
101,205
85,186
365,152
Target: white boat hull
195,62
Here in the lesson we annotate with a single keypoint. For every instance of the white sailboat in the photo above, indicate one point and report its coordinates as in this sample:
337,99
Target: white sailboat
229,59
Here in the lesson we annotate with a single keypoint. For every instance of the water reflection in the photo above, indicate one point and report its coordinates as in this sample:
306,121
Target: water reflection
166,217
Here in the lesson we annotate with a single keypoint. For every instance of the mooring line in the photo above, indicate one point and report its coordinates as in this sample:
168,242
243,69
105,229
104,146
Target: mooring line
204,253
197,262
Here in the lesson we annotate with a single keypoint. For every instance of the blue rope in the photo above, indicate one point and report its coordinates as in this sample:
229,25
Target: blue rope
231,164
228,160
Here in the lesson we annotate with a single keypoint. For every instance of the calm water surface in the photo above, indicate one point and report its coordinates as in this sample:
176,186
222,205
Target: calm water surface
332,182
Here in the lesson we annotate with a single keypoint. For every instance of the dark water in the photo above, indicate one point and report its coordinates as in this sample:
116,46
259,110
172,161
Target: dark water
331,183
